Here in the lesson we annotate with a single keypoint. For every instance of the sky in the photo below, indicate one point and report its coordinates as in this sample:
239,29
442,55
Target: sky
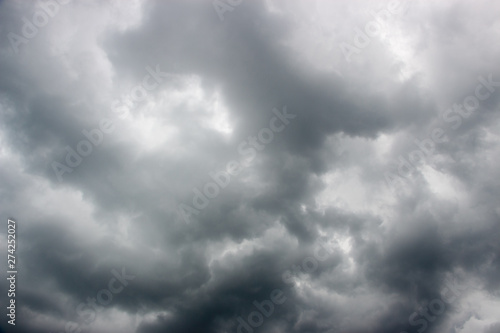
240,166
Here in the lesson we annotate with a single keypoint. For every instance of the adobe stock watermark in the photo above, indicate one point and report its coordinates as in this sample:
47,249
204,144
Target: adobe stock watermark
435,307
372,29
453,116
83,148
248,149
48,9
139,92
87,312
222,6
120,106
265,308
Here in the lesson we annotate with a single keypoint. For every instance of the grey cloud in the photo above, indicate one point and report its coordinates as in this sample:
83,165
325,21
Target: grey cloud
394,249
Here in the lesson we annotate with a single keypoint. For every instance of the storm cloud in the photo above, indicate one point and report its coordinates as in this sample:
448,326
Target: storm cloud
251,165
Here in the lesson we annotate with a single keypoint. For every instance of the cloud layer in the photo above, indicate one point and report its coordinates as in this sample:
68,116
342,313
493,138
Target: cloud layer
371,207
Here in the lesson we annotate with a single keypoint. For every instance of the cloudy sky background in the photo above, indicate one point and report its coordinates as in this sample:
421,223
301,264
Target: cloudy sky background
394,245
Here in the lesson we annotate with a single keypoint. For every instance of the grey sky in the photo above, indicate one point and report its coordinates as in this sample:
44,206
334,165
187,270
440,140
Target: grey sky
114,114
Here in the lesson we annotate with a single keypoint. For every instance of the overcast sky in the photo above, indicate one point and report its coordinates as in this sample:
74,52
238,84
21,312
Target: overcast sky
244,166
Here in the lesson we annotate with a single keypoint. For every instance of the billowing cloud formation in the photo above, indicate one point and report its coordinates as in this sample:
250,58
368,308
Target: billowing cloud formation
251,166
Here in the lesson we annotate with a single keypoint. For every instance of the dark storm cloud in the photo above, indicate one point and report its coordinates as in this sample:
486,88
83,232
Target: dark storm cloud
392,251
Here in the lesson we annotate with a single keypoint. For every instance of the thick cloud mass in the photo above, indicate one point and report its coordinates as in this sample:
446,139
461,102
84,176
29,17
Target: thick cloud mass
172,163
